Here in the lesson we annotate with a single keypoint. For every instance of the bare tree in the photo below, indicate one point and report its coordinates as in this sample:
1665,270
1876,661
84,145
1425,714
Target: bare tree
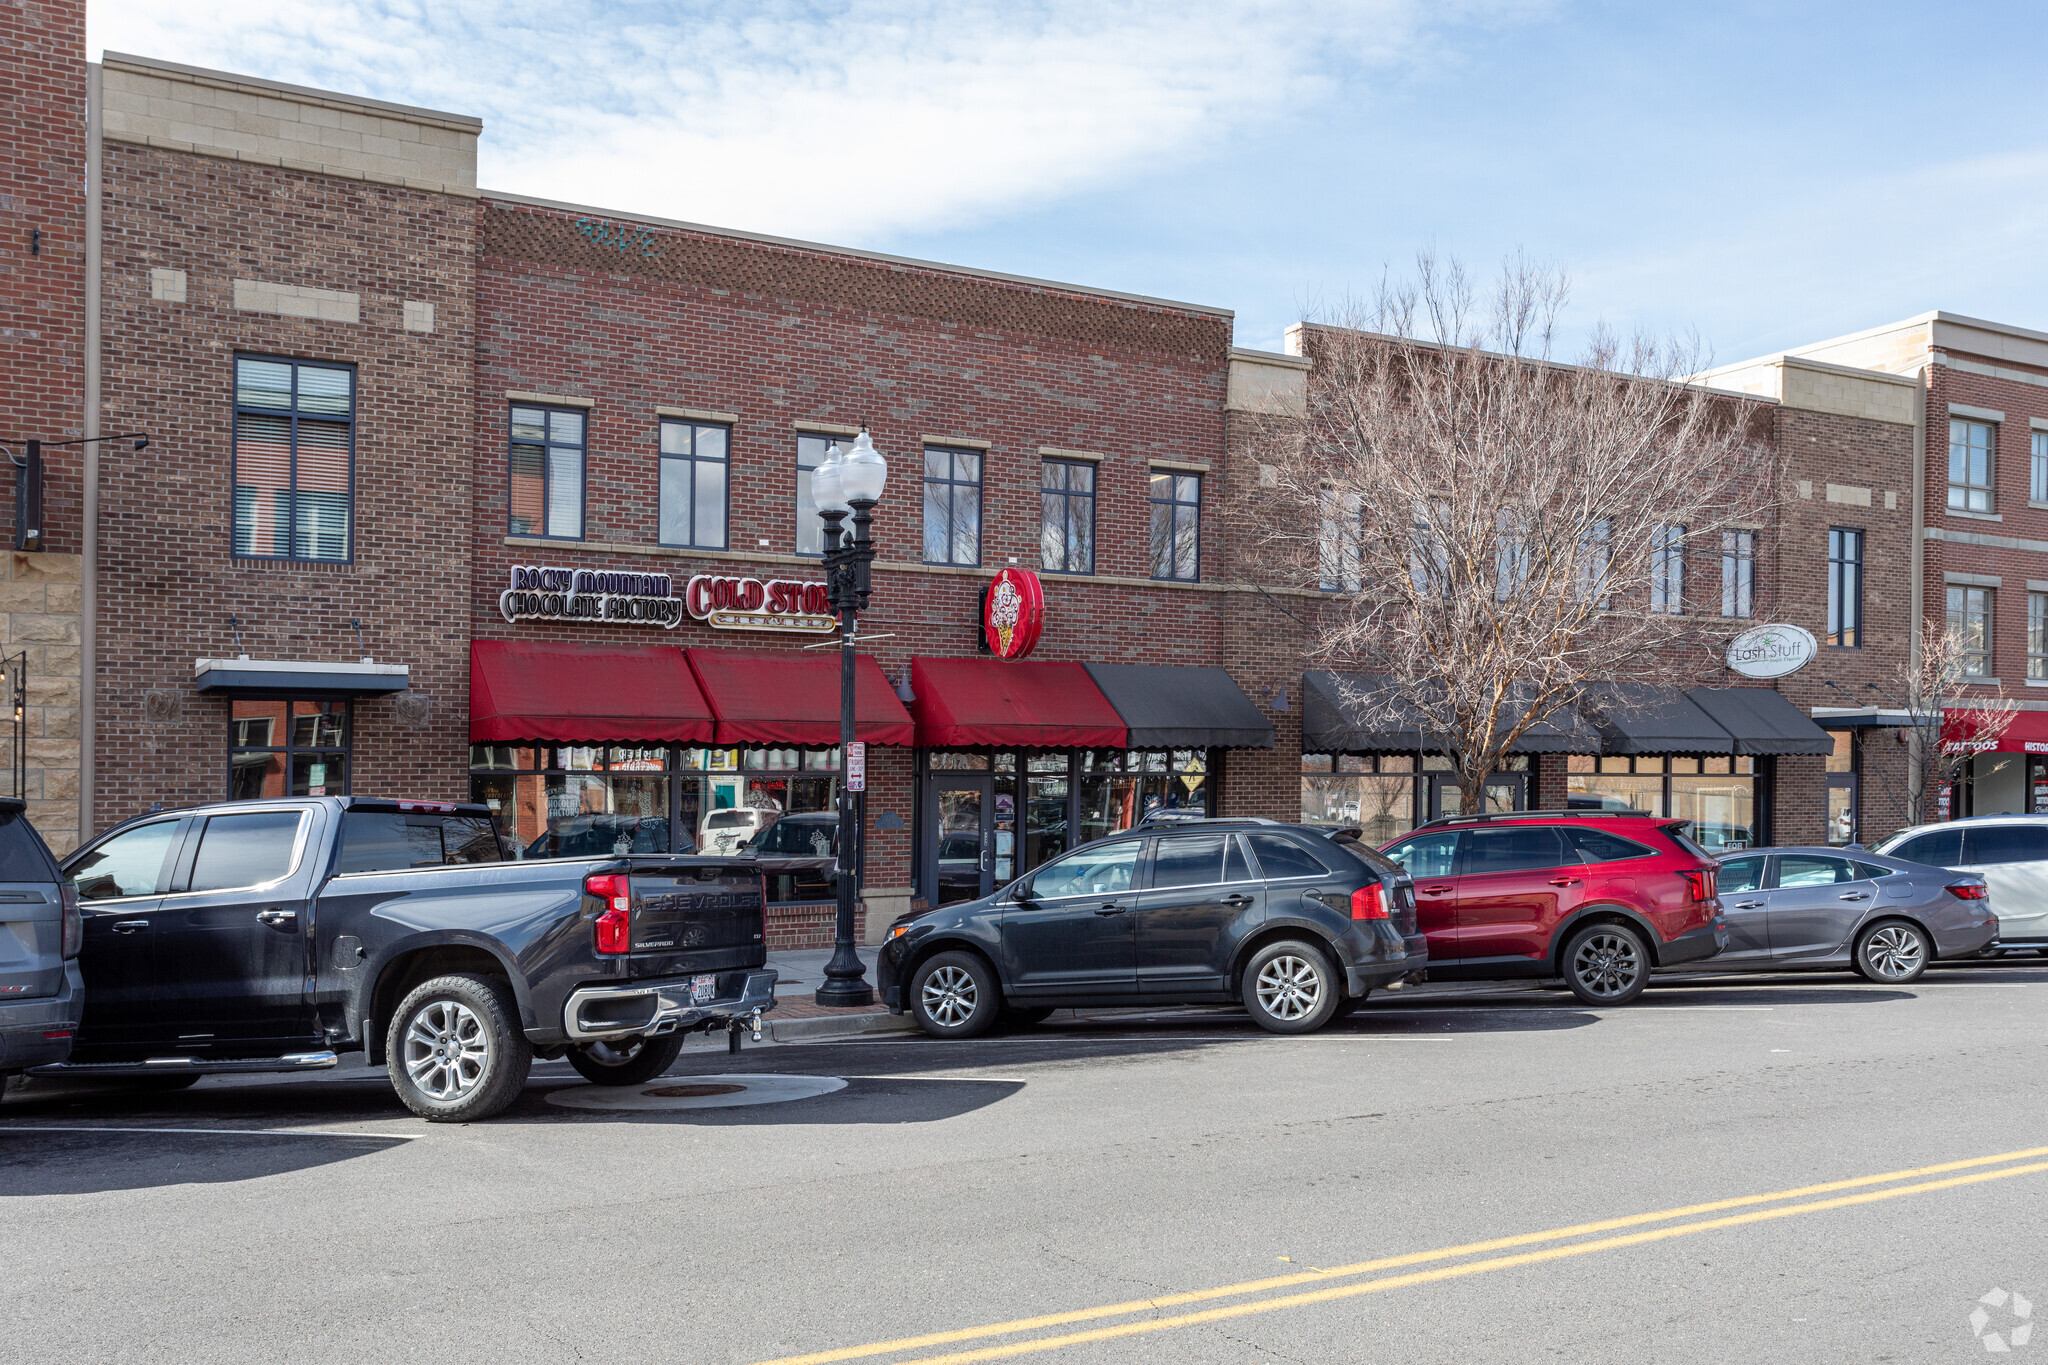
1945,725
1499,532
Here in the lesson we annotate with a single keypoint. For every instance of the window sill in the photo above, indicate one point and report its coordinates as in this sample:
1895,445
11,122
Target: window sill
2042,505
2035,682
1974,516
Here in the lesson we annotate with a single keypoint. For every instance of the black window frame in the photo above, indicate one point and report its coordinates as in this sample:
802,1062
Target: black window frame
1172,478
954,484
1845,631
796,495
347,748
546,444
1066,497
1967,488
1738,573
692,459
1667,569
1984,656
293,413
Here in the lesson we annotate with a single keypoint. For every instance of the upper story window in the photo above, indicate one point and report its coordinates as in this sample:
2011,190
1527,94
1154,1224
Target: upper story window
694,484
952,506
1066,532
2037,636
1970,447
294,459
1969,618
1738,573
547,472
810,528
1845,587
1667,569
1176,526
1338,548
2037,486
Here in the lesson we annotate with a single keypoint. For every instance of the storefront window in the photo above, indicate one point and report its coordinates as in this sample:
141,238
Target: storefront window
287,748
1842,788
1717,792
1345,789
1121,787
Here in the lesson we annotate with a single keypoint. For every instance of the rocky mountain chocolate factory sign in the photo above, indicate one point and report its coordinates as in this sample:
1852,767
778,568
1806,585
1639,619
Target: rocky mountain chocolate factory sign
645,599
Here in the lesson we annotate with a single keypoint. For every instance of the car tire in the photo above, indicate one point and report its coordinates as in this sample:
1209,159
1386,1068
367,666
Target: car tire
1024,1016
628,1062
1606,964
454,1050
1893,952
1350,1005
954,995
1290,987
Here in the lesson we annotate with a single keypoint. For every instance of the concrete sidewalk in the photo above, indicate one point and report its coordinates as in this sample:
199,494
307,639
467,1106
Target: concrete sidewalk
797,1018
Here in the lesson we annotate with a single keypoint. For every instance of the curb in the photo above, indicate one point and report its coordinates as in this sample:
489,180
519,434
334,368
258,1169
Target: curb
840,1026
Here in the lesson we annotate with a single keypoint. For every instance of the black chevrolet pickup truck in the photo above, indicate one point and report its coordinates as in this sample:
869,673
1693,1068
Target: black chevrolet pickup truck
271,935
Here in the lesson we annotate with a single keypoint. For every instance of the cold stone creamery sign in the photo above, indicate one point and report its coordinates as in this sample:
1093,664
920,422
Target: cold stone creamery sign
1772,651
646,599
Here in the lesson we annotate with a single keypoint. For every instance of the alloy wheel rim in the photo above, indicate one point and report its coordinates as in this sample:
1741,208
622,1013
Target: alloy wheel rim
447,1050
1607,964
950,996
1894,951
1290,987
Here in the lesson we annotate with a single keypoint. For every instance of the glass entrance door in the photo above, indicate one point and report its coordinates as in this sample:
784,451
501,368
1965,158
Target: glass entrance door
961,844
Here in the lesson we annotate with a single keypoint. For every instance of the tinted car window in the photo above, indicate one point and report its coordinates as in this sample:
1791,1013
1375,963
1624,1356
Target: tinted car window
598,836
1873,870
1235,868
798,839
245,850
1599,846
1740,874
729,819
1512,848
1279,856
1426,855
24,857
1984,844
1105,869
1939,848
1805,869
127,864
1189,860
390,841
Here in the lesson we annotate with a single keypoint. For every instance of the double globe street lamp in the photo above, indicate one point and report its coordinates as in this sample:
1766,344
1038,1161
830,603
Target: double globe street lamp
847,484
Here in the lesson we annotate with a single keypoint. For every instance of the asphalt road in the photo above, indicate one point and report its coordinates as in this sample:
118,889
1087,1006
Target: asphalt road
1415,1184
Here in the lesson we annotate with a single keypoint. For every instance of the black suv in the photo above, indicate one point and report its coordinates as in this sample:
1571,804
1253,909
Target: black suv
1297,923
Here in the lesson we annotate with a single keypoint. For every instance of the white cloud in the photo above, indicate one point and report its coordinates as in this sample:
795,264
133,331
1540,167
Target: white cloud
840,121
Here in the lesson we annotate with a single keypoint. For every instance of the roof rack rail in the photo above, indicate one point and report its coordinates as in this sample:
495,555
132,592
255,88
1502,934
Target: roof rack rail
1574,814
1175,817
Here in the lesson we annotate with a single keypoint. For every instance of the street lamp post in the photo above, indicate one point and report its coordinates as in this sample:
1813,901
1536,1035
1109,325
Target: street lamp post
842,485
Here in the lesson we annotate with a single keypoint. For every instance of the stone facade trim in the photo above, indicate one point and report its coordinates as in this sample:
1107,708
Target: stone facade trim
1268,384
826,428
1183,466
298,301
167,286
698,414
1849,494
959,442
1975,414
1059,453
1974,580
551,400
1942,533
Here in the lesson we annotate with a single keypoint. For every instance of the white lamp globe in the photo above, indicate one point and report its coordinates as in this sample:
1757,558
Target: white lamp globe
827,482
865,471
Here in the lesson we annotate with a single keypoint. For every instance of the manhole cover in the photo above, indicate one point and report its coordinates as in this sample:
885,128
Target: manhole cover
696,1092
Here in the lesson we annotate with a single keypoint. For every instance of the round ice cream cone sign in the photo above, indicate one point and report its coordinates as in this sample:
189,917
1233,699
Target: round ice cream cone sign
1014,615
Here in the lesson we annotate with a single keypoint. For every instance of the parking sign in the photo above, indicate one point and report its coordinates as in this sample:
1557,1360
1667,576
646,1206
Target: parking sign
857,766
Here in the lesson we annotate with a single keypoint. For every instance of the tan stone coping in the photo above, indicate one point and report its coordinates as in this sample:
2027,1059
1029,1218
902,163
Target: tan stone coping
826,428
555,400
1182,466
965,442
697,414
1061,453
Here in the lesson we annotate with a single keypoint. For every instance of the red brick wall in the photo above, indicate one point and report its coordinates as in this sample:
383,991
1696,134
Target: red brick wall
42,294
168,581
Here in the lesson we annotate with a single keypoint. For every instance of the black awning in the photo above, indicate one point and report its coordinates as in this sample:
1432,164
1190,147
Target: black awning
292,679
1762,721
1655,720
1182,708
1333,723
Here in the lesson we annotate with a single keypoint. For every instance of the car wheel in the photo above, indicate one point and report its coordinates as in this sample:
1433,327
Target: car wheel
454,1052
1606,964
1024,1016
1350,1005
1893,952
628,1061
1290,987
954,995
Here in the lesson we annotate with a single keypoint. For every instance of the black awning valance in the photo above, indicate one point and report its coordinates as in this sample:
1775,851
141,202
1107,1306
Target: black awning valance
1182,708
1760,720
298,679
1338,715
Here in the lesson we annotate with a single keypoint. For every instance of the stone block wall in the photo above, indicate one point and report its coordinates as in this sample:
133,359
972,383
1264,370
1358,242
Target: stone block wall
39,620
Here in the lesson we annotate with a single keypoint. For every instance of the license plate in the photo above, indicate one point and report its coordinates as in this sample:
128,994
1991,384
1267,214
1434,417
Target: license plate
703,988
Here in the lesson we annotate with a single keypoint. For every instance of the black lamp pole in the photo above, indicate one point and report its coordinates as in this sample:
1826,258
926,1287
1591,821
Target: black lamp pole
846,578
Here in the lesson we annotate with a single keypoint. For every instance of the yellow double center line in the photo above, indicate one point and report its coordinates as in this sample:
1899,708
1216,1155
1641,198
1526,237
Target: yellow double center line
1275,1303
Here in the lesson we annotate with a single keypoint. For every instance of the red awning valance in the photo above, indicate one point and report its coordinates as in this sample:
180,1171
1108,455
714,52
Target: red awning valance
524,690
987,701
762,697
1963,729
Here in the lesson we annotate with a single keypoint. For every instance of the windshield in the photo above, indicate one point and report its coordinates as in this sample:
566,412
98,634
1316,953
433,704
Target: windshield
797,839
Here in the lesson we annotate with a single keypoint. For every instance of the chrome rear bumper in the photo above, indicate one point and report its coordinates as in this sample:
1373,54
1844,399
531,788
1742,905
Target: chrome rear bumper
652,1008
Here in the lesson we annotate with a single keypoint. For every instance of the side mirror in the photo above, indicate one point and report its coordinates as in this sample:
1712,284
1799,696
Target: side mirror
1021,893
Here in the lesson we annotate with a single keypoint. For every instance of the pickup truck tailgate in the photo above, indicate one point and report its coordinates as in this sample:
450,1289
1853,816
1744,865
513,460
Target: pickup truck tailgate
697,919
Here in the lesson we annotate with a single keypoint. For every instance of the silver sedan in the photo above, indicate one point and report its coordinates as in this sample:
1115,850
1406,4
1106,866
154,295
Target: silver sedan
1830,907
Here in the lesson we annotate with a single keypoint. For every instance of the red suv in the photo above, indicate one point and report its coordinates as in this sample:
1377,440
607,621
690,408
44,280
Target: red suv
1599,898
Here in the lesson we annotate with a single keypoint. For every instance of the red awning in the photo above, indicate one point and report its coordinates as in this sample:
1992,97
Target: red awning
522,690
793,698
1963,728
987,701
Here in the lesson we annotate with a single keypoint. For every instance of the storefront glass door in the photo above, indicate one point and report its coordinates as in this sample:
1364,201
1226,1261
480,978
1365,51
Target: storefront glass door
963,853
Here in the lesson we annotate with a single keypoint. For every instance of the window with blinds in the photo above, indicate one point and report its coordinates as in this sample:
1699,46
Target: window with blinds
294,460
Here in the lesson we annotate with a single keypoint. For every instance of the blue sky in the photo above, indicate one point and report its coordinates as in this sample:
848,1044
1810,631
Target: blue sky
1765,173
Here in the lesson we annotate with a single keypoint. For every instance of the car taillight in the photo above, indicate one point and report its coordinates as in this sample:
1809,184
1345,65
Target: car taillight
1702,883
615,924
74,920
1967,891
1369,902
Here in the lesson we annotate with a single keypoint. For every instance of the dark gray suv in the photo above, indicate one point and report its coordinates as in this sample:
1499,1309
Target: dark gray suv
41,995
